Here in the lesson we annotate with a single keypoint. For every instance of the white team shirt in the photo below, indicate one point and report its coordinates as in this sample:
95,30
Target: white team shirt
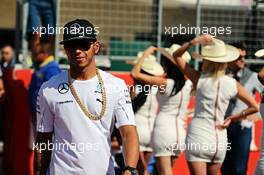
82,146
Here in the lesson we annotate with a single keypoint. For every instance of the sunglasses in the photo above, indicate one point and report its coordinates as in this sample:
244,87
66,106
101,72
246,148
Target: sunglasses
5,53
82,45
241,58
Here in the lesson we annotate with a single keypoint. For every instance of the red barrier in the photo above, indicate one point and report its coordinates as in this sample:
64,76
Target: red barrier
17,123
18,156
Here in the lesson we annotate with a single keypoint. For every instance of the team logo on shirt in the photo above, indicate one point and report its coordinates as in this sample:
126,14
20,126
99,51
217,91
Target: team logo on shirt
98,89
63,88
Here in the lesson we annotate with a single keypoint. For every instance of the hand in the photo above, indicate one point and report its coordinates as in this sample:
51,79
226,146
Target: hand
185,125
185,121
196,55
226,123
253,118
149,50
204,39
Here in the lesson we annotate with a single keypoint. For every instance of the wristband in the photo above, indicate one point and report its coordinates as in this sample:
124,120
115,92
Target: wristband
132,170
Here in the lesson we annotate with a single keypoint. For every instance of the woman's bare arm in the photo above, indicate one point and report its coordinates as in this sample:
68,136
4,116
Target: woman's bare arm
244,96
186,69
144,78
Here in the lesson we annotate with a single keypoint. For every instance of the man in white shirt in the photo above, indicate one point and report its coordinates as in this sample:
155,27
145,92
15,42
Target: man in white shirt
77,110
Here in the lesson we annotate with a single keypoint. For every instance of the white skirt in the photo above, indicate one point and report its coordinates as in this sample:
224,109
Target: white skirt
144,128
204,143
168,135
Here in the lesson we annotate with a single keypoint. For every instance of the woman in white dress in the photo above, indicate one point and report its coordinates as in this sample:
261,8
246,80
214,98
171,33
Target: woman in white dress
145,107
206,141
173,97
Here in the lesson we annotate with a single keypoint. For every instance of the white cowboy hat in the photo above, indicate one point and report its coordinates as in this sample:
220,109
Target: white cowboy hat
219,52
186,56
150,65
259,53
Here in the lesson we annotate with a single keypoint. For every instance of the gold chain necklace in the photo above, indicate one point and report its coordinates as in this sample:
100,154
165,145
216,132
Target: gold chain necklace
81,104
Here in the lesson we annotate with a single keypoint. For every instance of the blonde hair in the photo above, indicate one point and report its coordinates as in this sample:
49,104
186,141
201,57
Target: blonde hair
213,69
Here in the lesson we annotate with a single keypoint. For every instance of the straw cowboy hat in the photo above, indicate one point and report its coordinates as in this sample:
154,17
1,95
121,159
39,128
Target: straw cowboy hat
186,56
259,53
150,65
219,52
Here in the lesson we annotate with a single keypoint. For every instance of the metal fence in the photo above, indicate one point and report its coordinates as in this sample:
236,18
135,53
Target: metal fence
129,26
246,21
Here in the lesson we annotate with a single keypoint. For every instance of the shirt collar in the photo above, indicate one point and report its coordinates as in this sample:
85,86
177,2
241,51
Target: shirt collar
47,61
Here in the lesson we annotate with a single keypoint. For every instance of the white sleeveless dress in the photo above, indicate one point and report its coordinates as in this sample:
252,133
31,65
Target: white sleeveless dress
145,117
204,142
169,131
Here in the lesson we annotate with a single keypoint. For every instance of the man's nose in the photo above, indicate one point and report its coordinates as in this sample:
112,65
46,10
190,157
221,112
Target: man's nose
78,50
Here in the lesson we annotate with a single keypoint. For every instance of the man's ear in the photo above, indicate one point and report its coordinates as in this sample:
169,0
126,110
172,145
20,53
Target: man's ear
96,47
